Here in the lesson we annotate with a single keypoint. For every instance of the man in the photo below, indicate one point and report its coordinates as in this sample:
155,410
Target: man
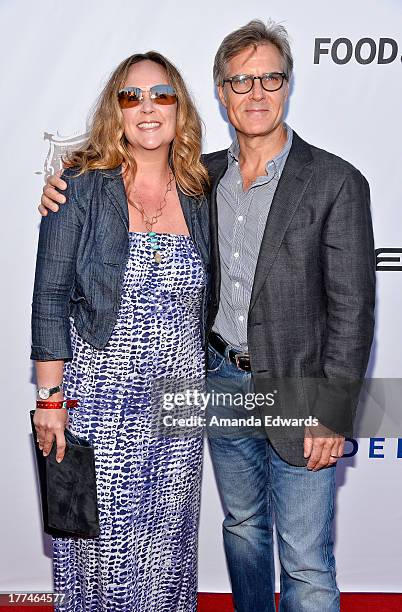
292,249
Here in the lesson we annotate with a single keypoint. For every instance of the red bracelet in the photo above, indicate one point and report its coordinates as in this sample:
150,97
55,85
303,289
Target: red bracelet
63,404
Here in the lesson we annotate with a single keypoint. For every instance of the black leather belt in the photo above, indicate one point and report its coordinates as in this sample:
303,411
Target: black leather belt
240,360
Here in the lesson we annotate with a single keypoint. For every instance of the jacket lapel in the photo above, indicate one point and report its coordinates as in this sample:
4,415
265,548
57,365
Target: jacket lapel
185,203
217,164
290,190
114,187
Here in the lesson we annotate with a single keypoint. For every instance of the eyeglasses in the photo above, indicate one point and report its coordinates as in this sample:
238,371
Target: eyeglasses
133,96
243,83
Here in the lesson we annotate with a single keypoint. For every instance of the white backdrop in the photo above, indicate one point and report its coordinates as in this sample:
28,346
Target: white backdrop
55,58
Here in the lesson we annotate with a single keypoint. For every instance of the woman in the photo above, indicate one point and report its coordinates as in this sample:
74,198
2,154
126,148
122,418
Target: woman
120,296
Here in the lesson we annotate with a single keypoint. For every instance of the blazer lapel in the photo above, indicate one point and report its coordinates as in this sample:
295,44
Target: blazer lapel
116,193
290,190
217,164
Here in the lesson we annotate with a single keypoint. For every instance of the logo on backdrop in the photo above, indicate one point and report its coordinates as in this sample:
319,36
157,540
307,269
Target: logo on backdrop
378,448
364,51
388,260
59,146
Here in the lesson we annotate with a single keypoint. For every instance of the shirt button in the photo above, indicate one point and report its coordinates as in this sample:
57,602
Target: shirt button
238,182
236,254
241,318
237,284
240,218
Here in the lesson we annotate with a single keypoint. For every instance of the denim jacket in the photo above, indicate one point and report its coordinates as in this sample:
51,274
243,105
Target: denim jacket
82,254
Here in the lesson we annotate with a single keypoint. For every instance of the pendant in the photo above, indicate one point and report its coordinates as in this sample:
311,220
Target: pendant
153,241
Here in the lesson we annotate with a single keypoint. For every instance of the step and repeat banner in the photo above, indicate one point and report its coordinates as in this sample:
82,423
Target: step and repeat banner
345,97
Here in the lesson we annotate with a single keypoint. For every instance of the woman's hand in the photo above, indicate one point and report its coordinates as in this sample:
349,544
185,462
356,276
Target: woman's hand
50,423
50,197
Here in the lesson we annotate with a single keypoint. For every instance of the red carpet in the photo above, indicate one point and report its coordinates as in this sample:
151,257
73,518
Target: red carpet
350,602
211,602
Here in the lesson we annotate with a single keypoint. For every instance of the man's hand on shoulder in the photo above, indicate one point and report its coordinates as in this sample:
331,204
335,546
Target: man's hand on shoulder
322,446
50,197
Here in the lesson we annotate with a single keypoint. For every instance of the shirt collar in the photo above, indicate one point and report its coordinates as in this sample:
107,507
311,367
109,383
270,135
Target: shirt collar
278,161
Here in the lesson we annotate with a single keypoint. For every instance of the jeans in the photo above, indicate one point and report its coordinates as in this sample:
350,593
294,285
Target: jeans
256,487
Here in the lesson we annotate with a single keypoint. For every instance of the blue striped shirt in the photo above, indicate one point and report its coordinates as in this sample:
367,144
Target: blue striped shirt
242,216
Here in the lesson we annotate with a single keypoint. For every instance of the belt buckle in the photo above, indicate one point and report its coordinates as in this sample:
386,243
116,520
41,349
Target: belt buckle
239,355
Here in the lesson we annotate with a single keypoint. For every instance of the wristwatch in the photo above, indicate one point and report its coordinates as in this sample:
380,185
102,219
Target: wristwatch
45,392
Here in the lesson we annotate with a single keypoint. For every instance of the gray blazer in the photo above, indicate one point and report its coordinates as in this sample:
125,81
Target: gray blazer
311,316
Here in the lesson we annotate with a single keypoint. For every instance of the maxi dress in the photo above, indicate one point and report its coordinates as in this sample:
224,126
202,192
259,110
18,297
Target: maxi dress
148,485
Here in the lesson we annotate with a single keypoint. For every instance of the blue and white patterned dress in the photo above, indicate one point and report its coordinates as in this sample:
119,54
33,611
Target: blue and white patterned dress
148,486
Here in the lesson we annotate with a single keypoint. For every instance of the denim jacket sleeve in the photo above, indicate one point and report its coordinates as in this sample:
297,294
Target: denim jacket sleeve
59,237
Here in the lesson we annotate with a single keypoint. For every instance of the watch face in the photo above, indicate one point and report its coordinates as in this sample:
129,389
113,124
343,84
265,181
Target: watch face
43,393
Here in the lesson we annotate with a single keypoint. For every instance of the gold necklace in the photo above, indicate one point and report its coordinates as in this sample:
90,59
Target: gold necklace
149,222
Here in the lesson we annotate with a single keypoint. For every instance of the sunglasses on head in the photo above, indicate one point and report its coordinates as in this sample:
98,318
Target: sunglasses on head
133,96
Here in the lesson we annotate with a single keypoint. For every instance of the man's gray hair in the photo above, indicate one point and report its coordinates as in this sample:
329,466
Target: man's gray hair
253,34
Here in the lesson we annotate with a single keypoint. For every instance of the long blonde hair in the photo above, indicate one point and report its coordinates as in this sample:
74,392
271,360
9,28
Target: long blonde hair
107,147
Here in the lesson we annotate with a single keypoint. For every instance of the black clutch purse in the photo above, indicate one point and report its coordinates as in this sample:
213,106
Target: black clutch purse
68,488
